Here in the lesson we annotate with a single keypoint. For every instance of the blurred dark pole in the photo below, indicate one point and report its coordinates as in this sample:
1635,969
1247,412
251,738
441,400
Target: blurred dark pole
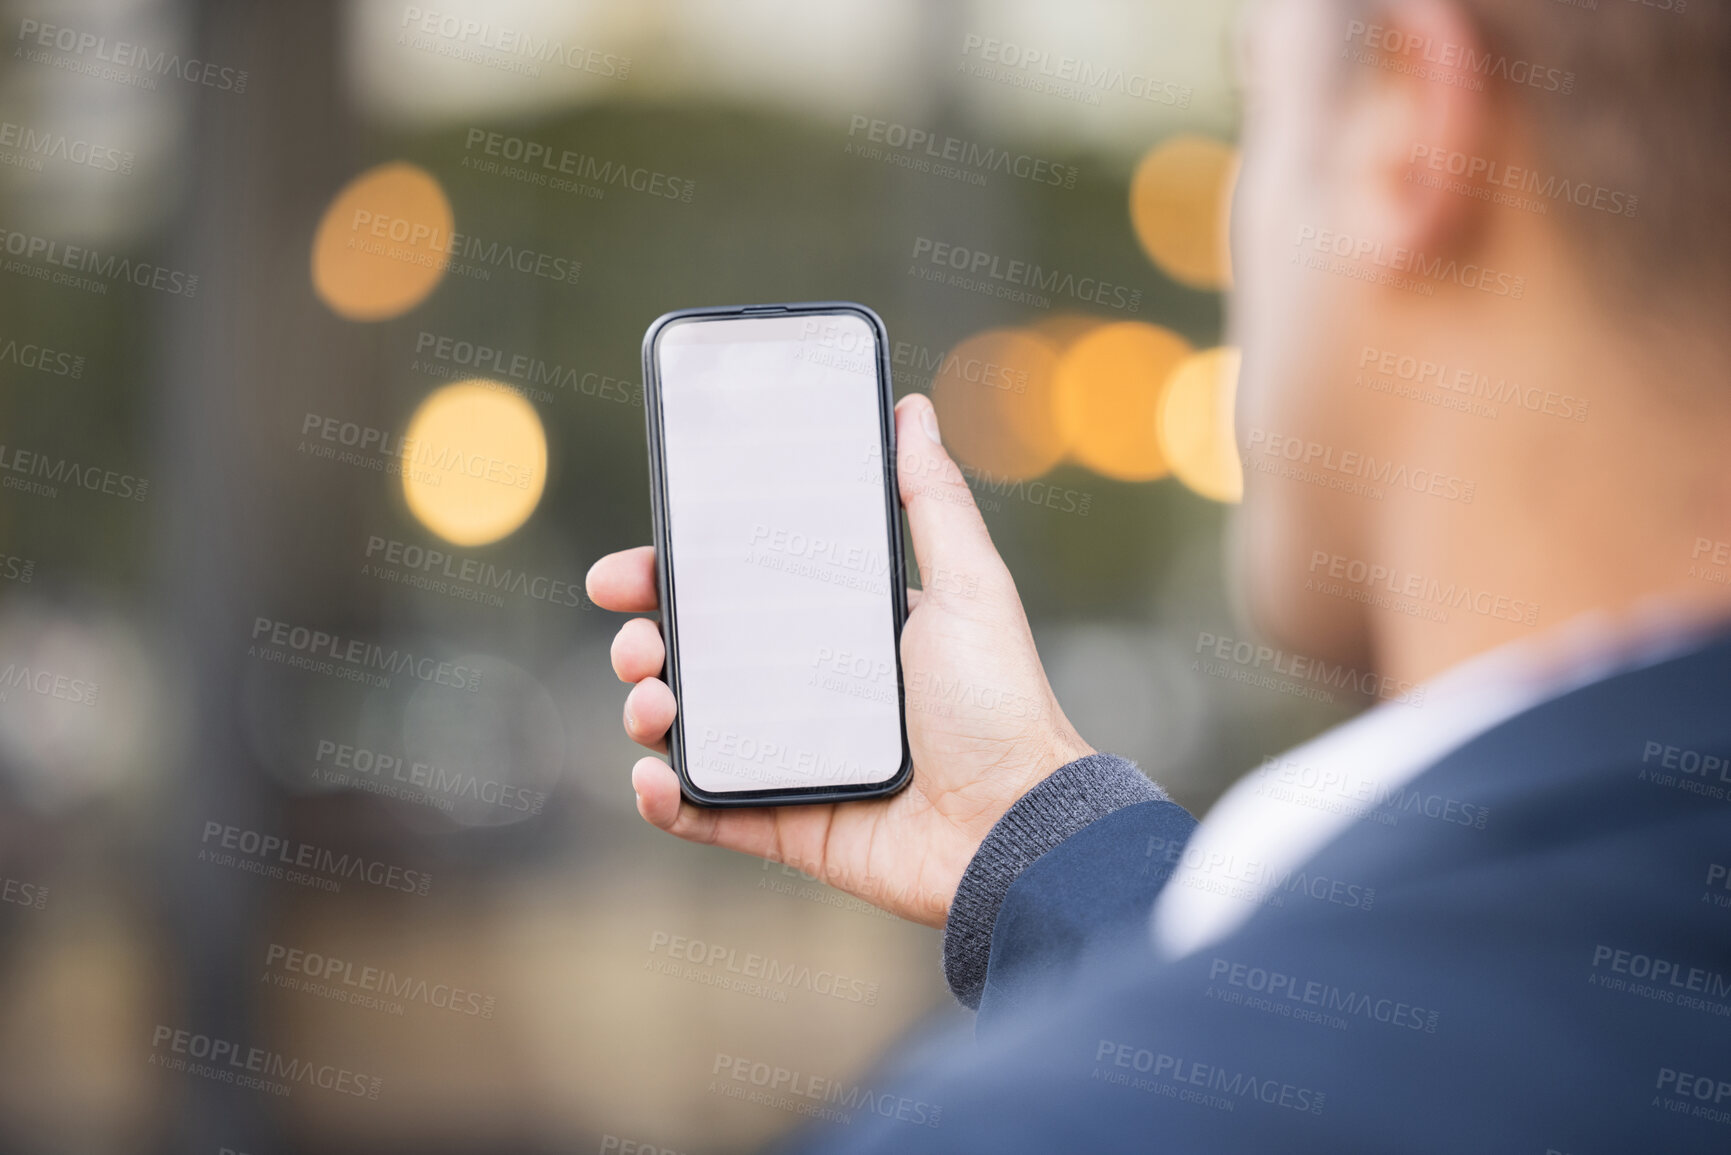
259,167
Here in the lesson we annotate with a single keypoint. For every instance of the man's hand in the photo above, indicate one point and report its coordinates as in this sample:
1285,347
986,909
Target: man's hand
982,722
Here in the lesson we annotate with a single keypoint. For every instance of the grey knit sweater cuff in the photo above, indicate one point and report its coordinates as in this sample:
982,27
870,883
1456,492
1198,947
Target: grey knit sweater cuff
1075,795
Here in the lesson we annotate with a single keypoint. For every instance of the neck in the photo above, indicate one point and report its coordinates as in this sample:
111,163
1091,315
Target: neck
1607,514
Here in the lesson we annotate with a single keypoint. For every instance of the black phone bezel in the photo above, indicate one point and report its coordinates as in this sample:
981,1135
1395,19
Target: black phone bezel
795,795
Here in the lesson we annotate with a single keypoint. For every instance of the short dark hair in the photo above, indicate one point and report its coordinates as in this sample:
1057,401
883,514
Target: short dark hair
1646,114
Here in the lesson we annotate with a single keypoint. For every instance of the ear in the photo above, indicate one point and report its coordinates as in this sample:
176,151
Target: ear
1412,115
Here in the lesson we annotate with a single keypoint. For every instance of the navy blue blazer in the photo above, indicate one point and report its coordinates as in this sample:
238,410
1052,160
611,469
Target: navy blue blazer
1556,982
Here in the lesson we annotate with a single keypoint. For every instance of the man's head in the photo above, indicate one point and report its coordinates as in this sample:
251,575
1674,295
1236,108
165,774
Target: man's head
1460,226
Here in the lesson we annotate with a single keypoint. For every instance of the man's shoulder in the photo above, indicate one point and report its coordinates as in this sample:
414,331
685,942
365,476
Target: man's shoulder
1535,932
1544,856
1611,791
1525,947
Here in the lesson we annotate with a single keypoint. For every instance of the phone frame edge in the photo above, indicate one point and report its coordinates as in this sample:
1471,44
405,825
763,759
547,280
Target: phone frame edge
798,795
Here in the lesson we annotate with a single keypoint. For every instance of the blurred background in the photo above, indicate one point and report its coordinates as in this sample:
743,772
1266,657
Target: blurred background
315,826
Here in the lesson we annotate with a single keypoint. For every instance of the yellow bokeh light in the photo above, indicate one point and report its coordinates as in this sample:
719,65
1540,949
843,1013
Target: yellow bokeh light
993,394
1180,205
474,462
1196,431
383,244
1108,395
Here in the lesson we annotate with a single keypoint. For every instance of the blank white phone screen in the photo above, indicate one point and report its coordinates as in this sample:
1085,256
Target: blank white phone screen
779,549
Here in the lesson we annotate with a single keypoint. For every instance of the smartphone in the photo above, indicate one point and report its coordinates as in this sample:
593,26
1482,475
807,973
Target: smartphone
778,551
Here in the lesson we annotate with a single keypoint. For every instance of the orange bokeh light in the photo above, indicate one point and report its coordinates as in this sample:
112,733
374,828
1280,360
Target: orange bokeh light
1196,432
993,394
1108,395
383,244
1180,205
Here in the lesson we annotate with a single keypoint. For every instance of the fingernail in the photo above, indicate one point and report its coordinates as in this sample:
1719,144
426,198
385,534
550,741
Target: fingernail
929,422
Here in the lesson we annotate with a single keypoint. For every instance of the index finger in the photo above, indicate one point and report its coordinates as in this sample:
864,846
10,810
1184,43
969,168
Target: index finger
624,581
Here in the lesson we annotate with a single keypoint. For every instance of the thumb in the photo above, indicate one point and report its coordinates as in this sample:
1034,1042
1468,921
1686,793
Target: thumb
951,543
